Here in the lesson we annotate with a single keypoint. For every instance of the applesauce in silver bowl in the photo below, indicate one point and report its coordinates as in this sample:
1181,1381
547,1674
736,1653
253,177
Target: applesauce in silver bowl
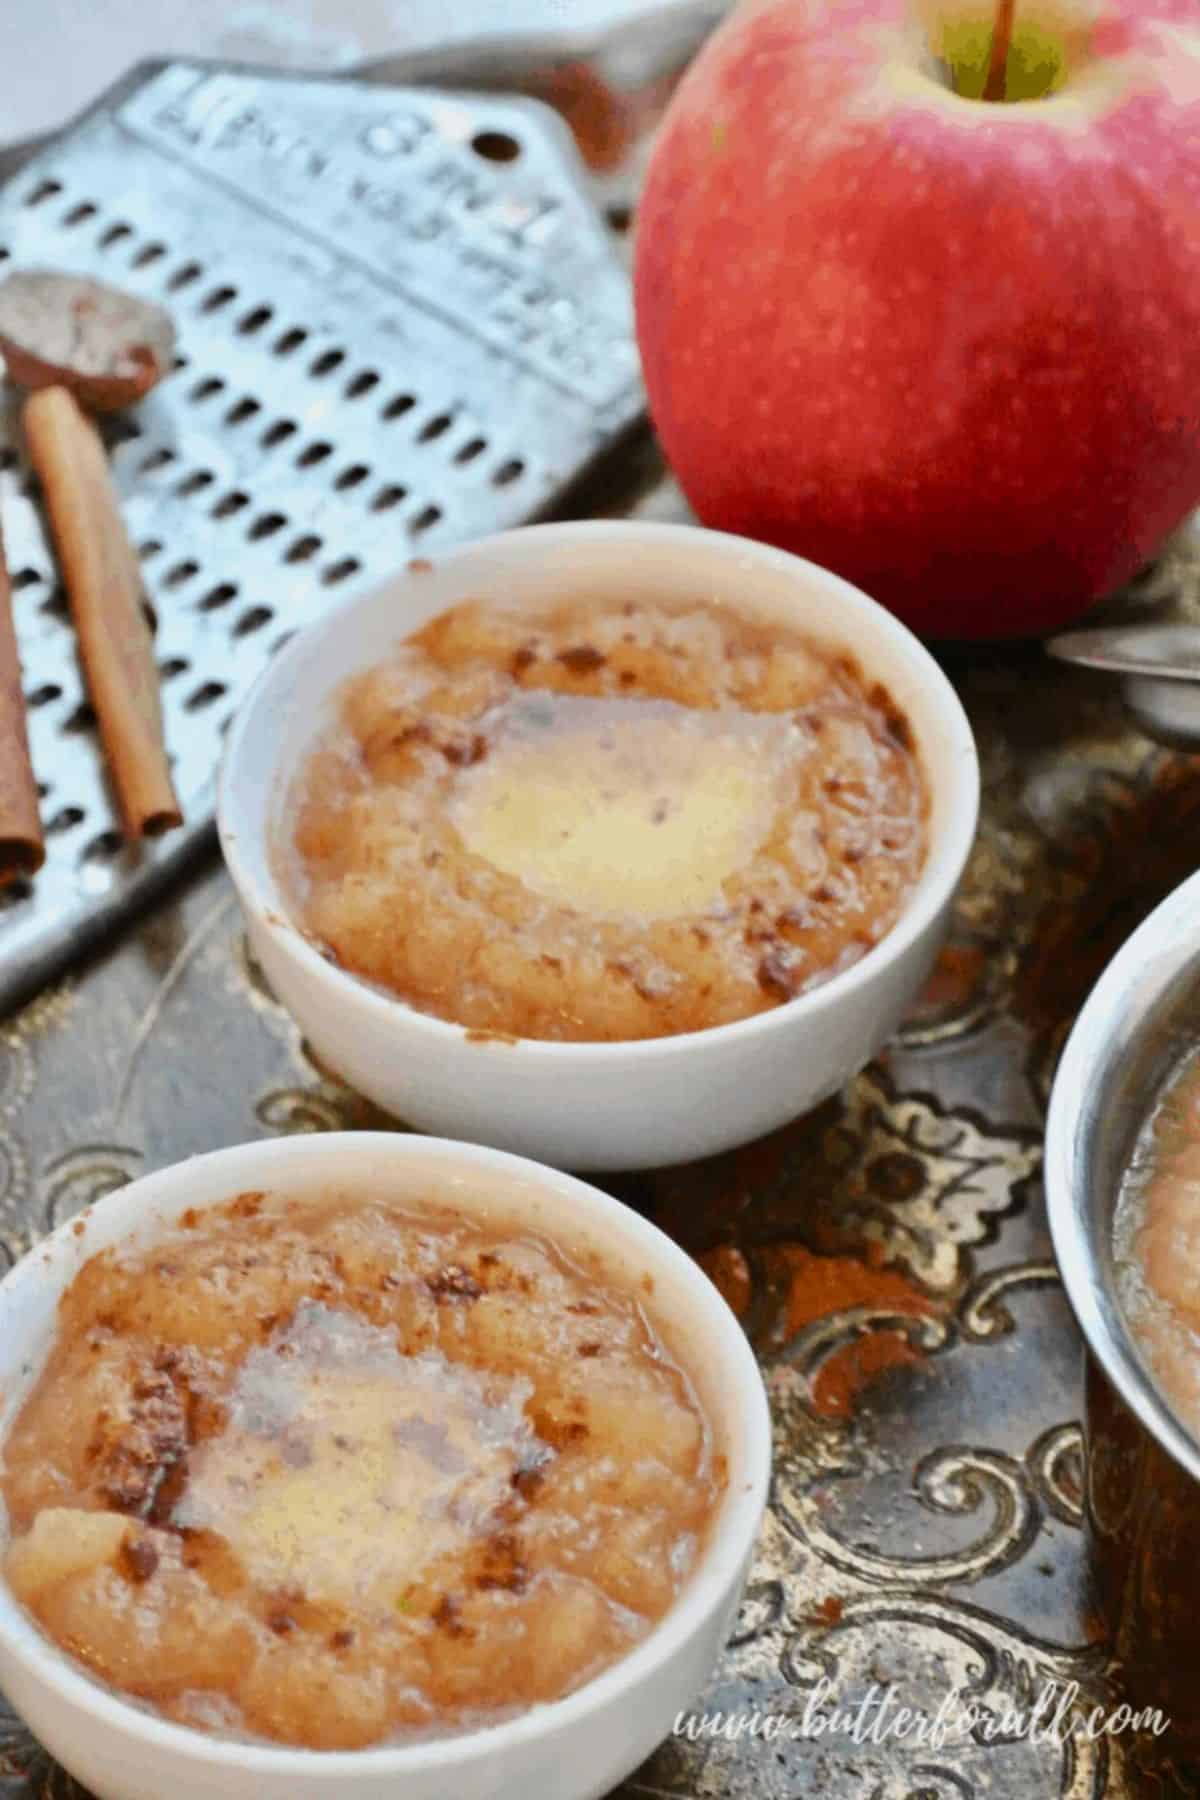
1117,1126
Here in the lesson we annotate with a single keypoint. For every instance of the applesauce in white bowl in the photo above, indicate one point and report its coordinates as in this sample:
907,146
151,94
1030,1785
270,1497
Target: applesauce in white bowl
647,1071
123,1738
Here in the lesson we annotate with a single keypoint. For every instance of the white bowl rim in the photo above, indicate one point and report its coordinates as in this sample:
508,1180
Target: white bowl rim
730,1543
943,868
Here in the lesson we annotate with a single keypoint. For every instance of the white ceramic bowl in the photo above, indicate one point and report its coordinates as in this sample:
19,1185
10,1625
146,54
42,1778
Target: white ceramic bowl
573,1749
594,1106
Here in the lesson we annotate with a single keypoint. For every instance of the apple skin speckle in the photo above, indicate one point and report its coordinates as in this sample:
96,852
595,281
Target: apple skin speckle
950,349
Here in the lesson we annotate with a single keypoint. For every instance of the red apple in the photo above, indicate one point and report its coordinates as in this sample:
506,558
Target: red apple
945,345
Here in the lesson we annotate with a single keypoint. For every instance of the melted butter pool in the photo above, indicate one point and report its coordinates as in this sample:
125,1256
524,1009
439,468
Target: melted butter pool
346,1468
622,806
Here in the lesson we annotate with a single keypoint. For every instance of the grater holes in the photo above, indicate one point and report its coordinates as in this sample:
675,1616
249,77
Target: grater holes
149,548
194,483
290,340
398,405
115,234
205,389
427,517
45,190
42,696
150,614
151,253
496,146
14,892
82,719
253,621
65,819
388,496
204,695
244,409
79,215
352,477
255,320
366,377
8,459
218,297
327,362
314,453
619,217
303,548
434,428
508,472
230,503
55,605
266,525
183,571
341,571
103,847
184,276
172,666
471,449
284,638
25,578
218,596
156,459
118,428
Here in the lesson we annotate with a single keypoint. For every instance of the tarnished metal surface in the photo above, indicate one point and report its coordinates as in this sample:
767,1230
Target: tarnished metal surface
888,1256
401,323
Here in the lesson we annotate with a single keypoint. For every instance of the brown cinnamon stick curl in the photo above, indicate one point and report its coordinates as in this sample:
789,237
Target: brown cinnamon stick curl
59,330
100,573
22,847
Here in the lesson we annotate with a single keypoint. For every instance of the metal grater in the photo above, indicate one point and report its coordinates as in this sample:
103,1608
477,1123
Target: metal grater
401,324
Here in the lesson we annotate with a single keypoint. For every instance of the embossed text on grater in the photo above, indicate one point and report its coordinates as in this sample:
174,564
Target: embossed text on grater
401,324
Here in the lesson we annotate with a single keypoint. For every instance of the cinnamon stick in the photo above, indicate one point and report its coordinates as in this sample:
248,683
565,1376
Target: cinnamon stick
100,573
22,847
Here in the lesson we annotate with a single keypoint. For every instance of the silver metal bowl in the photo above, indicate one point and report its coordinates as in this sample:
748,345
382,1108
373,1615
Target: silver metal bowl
1143,1465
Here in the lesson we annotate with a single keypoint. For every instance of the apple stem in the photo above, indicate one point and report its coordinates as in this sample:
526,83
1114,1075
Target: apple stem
994,87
